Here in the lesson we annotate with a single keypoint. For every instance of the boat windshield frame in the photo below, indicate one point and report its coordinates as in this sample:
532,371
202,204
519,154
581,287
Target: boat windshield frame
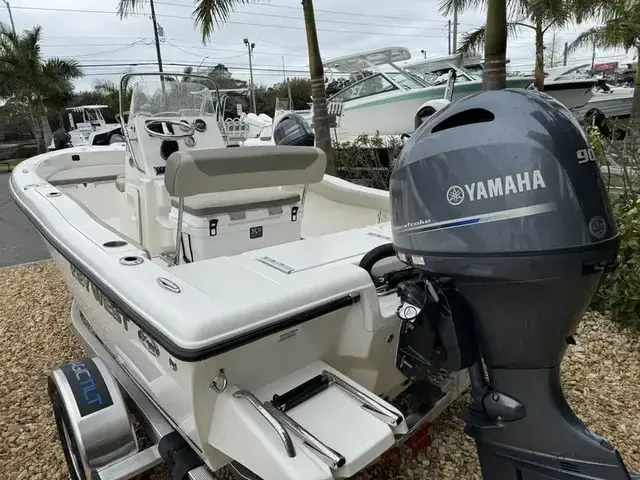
125,81
375,67
91,114
445,64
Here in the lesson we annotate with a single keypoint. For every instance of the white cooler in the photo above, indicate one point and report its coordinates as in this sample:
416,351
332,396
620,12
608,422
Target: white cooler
229,223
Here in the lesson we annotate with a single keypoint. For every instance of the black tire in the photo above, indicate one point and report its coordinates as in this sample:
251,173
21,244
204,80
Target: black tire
598,120
65,434
423,115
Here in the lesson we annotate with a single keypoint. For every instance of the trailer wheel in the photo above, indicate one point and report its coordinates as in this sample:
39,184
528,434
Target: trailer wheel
65,434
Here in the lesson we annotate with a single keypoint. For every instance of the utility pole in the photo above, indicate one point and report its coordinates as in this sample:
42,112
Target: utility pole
250,47
454,38
553,50
284,74
593,56
155,34
449,37
13,26
566,53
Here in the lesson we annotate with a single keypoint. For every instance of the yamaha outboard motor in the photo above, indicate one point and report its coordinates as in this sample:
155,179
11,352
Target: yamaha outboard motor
499,204
292,129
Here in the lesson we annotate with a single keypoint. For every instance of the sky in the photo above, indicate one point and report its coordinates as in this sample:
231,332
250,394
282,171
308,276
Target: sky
105,46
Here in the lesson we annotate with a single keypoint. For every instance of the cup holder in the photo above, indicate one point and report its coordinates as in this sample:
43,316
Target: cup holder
131,260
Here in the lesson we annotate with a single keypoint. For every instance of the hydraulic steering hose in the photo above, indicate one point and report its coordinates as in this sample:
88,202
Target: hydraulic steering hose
374,256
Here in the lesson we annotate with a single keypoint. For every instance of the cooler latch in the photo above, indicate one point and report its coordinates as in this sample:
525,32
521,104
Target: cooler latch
294,213
213,227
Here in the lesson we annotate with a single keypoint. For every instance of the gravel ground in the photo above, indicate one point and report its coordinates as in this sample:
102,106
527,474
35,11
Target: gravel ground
601,378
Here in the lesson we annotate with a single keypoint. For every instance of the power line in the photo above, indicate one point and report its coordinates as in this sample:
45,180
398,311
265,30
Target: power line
115,50
318,10
278,69
288,27
199,55
199,47
302,19
228,65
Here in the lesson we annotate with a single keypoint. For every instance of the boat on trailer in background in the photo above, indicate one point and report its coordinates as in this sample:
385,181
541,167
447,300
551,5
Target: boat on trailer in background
573,93
93,129
238,301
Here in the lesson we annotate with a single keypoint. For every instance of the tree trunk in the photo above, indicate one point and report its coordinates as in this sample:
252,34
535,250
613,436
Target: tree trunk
37,128
60,119
320,113
46,128
539,72
494,76
635,105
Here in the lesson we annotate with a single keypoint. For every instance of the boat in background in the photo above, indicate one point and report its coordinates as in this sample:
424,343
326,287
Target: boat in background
573,93
93,130
385,99
610,102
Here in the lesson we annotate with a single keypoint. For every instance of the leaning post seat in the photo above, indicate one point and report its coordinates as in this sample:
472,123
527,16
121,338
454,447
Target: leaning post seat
227,200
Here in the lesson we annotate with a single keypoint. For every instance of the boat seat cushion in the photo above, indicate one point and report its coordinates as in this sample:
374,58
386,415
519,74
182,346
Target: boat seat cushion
120,182
209,204
210,170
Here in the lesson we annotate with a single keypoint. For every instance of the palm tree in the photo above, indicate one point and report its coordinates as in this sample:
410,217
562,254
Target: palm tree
495,31
25,77
209,13
620,28
537,15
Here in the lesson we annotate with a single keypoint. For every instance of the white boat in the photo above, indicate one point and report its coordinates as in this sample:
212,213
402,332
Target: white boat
386,99
609,100
206,279
93,130
573,93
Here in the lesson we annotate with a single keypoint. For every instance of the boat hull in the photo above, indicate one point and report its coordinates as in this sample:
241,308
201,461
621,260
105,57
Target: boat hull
192,336
394,113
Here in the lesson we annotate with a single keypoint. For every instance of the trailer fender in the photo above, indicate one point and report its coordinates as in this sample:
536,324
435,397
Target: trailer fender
92,418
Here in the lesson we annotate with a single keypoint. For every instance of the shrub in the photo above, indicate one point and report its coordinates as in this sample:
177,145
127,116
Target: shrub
619,293
367,160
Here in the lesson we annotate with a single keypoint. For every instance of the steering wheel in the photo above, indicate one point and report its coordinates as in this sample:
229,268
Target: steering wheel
188,130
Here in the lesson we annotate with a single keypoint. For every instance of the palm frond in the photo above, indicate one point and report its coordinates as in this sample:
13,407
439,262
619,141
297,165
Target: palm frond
473,41
550,13
130,7
209,13
60,68
447,7
615,33
105,86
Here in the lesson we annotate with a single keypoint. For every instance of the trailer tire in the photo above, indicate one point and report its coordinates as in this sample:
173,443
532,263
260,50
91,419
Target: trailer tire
598,120
65,434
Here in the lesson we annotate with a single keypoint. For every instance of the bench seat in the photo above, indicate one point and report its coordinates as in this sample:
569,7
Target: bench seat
208,204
